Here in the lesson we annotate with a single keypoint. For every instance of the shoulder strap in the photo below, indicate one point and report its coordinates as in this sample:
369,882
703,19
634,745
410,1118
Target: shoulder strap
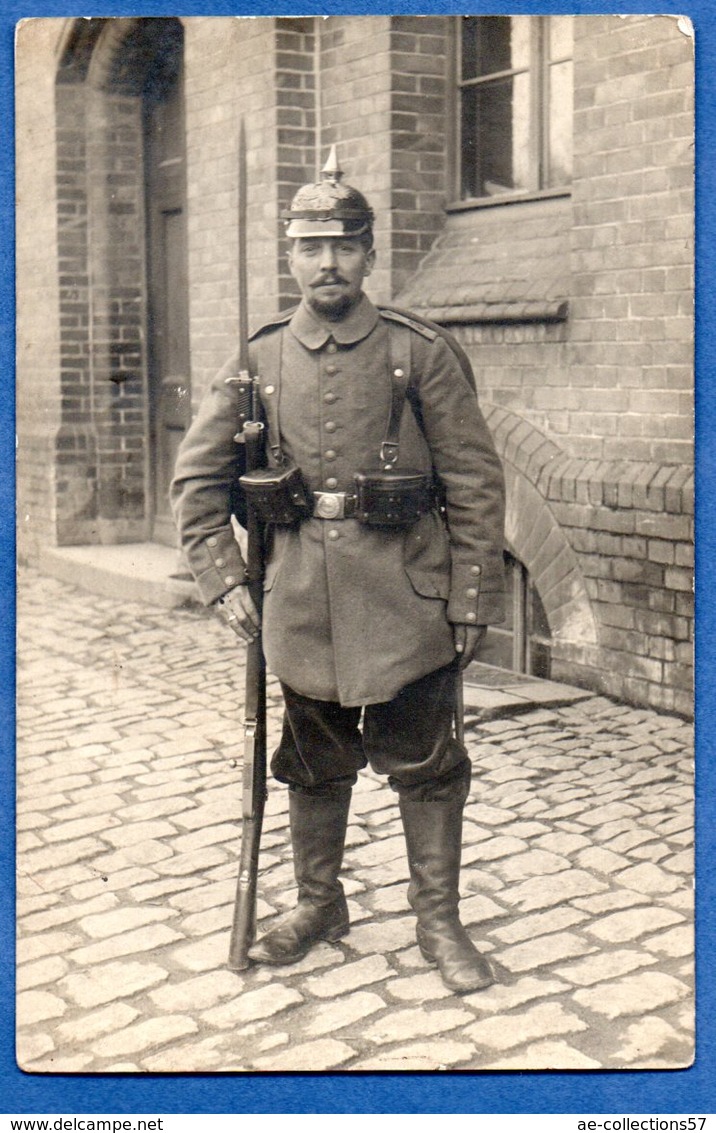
399,353
431,330
268,349
408,319
278,321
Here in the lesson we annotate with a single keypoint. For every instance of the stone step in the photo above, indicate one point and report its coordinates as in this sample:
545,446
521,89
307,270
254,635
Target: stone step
491,692
135,572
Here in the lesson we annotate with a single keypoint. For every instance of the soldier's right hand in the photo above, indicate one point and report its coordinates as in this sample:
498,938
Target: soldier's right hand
240,613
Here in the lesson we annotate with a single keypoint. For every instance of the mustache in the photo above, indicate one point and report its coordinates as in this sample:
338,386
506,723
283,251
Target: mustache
329,277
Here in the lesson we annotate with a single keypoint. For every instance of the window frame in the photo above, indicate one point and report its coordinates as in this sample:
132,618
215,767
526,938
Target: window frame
539,71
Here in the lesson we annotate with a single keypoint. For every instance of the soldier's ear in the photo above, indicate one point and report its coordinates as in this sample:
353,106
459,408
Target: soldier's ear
369,262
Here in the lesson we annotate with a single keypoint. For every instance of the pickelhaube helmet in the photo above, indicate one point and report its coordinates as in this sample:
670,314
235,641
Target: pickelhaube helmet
328,207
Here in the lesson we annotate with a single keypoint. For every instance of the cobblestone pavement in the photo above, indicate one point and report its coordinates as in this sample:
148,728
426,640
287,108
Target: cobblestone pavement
577,876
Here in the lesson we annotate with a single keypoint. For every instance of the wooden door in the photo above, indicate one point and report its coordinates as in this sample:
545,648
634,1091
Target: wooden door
168,301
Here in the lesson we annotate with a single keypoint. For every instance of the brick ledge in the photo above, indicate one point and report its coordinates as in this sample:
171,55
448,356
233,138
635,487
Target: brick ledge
647,485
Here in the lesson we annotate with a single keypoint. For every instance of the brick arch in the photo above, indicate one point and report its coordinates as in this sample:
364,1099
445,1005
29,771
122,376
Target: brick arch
126,49
113,53
534,535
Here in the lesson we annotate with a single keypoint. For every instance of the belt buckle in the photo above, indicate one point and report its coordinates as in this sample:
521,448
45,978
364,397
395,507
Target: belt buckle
330,505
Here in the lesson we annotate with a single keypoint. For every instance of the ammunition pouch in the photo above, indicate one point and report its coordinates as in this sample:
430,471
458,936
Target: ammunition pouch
393,497
277,495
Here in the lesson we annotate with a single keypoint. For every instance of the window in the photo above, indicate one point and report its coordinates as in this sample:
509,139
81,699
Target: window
514,78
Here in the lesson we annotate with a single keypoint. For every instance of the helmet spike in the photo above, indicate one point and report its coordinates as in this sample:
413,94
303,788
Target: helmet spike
331,170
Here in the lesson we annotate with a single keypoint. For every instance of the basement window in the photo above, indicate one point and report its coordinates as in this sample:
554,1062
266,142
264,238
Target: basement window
522,642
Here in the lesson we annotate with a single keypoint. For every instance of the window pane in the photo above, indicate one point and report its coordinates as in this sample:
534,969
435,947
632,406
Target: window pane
494,43
495,137
522,27
559,160
561,37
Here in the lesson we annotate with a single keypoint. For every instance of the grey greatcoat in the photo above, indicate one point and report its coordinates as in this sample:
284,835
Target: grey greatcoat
352,613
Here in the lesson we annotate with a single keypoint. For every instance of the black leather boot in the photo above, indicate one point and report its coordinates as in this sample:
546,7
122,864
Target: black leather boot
318,834
433,835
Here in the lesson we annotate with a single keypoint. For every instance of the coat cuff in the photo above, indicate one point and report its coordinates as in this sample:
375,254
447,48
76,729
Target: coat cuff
477,590
217,565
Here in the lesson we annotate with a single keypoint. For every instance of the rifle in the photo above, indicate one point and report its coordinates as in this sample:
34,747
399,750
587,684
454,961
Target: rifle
243,929
460,710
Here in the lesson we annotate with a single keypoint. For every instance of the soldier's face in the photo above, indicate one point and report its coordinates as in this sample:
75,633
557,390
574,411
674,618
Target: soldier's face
330,272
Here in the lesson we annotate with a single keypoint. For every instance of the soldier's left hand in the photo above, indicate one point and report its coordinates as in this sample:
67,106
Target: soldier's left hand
468,640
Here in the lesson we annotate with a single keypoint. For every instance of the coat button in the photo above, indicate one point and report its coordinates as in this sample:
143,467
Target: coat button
220,562
212,540
331,368
329,397
330,426
331,348
333,534
475,570
229,580
331,483
269,389
471,617
471,592
330,454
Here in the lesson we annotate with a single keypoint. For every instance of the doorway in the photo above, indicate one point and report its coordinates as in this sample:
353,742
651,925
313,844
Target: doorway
167,273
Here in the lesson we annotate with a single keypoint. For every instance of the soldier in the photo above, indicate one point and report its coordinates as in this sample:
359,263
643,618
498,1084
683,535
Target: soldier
376,599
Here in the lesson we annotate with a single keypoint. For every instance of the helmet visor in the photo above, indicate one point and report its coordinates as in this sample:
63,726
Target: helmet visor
331,226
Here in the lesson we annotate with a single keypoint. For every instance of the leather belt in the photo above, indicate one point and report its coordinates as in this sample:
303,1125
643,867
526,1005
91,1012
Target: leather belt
333,505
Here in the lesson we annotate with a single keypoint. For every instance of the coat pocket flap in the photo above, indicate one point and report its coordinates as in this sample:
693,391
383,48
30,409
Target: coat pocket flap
427,557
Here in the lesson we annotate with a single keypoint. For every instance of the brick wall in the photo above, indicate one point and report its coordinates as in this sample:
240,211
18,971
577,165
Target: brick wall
230,71
630,356
38,322
420,133
296,125
628,528
594,415
630,352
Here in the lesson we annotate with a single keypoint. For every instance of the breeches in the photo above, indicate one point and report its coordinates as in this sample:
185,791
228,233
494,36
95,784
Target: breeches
409,739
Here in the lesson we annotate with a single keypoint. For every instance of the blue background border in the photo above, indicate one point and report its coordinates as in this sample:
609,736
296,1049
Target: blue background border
686,1091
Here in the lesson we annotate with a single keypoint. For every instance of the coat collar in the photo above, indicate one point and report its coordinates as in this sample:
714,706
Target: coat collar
314,332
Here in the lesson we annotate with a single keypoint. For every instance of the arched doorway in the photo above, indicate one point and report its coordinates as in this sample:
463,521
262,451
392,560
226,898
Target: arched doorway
123,277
